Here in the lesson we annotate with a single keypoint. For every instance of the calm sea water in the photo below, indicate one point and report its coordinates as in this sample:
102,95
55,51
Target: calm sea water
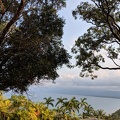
109,105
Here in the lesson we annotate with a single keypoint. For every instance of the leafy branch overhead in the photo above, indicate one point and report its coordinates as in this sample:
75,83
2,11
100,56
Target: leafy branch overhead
30,43
101,43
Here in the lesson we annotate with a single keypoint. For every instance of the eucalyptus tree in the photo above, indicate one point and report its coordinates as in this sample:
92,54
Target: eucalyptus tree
31,48
101,42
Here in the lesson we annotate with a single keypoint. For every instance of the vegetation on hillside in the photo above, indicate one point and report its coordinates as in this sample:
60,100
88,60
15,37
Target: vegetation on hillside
116,115
21,108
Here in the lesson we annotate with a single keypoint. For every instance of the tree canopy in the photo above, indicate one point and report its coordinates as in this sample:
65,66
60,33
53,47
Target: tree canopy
30,42
31,46
101,42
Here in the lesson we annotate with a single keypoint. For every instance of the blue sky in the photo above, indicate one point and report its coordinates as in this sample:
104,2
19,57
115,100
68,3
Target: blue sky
108,80
69,78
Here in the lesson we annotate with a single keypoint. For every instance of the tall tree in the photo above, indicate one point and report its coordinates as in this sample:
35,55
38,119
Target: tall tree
61,101
61,108
102,40
83,104
49,101
88,112
31,49
73,106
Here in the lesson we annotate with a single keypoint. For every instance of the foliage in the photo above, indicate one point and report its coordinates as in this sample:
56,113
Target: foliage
49,101
31,49
102,40
115,115
100,114
20,108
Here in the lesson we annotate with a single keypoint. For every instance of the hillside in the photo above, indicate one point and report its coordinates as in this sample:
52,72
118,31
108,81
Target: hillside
116,115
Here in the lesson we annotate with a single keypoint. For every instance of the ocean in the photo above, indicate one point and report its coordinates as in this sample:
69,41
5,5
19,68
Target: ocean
97,99
109,105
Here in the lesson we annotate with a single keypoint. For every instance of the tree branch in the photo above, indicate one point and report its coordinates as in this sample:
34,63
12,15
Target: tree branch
109,19
2,6
111,22
113,26
114,41
116,68
12,21
115,63
6,10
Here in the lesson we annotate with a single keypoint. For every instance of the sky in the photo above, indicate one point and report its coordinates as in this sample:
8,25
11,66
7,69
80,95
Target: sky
69,78
107,85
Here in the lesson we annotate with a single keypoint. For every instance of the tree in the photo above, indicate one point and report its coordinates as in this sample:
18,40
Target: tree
100,114
4,108
31,49
115,115
83,104
49,101
61,101
61,108
73,106
88,111
102,37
